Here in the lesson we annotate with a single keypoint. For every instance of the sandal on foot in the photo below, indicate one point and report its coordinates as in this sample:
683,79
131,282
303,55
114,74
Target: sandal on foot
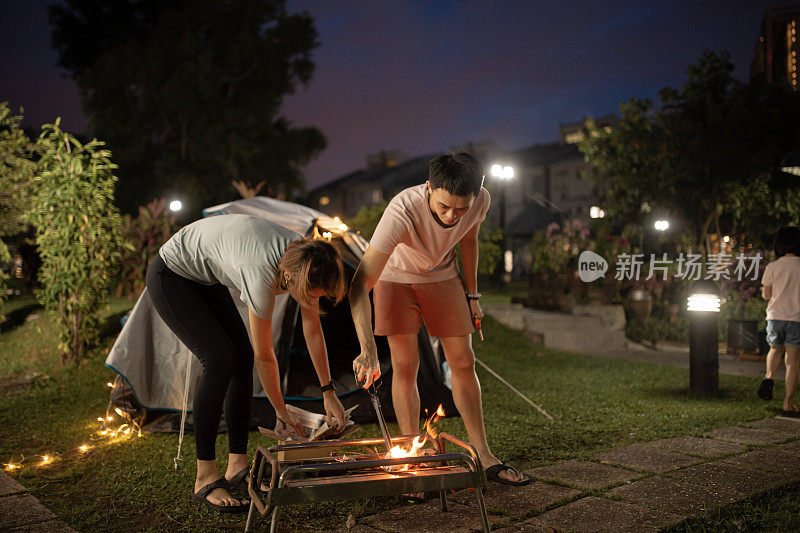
239,481
493,474
795,413
765,389
221,483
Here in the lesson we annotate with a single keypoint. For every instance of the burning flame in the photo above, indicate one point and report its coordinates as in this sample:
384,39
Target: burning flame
399,452
428,427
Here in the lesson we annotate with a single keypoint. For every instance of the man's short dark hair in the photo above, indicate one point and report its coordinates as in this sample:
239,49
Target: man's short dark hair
787,241
458,173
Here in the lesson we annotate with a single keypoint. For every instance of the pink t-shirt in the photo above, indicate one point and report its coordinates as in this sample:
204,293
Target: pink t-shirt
420,249
784,277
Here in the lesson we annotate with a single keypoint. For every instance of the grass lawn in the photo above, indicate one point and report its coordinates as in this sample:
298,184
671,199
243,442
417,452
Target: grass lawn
130,485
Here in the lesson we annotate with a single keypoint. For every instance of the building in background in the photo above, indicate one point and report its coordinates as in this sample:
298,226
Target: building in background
777,47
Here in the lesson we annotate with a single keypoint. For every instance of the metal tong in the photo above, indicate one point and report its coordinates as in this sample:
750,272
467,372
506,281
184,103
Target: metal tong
376,404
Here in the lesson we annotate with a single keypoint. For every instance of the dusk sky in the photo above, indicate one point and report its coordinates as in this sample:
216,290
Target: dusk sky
422,76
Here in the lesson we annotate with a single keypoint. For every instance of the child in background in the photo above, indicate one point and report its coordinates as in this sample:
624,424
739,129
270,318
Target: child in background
781,288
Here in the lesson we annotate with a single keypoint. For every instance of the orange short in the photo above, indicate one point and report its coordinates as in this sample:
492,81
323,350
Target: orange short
401,308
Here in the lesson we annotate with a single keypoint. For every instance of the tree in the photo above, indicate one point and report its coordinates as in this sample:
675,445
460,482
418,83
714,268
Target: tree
78,232
16,173
187,93
712,143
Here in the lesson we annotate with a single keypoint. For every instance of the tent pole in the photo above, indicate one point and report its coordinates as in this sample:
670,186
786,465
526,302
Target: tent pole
183,410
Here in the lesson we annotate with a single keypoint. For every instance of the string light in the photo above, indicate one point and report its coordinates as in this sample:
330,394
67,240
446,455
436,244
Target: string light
107,430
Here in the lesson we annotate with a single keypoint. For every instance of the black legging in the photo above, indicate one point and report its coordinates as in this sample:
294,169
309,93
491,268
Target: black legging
206,320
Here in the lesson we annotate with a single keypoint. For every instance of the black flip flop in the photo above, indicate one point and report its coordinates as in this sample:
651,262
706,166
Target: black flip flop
765,389
790,414
493,474
239,481
221,483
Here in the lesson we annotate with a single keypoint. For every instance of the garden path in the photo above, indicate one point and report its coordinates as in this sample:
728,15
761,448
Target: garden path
20,511
639,487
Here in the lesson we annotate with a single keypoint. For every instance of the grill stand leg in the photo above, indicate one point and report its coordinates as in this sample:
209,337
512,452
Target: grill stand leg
250,515
273,527
482,508
443,499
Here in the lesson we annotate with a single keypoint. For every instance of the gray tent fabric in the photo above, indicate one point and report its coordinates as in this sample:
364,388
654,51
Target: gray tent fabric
151,361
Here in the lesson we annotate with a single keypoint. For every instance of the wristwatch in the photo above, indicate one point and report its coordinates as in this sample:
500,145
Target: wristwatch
329,386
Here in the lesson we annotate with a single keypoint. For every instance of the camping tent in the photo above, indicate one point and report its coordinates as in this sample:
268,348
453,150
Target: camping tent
157,373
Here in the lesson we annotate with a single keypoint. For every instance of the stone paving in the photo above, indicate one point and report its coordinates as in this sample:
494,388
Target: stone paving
19,511
639,487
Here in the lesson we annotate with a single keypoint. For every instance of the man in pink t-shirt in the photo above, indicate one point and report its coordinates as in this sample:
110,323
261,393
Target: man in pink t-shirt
411,264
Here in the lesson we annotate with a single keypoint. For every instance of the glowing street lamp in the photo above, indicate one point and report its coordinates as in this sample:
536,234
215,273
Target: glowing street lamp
596,212
791,163
503,173
703,307
661,225
175,206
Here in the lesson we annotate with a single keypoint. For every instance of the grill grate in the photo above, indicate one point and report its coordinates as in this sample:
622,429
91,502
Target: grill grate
326,479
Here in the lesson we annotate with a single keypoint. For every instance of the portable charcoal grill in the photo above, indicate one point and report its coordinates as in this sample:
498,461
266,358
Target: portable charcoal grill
325,479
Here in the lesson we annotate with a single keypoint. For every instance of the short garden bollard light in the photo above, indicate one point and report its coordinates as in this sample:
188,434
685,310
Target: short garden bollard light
703,307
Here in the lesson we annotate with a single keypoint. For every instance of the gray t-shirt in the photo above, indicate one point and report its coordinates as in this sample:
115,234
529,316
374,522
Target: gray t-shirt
238,251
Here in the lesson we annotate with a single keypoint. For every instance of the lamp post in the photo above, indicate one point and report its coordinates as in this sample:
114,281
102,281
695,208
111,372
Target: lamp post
503,173
703,307
175,206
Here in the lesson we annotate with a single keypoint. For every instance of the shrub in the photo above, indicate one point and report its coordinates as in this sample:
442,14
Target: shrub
147,232
78,232
16,173
367,218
